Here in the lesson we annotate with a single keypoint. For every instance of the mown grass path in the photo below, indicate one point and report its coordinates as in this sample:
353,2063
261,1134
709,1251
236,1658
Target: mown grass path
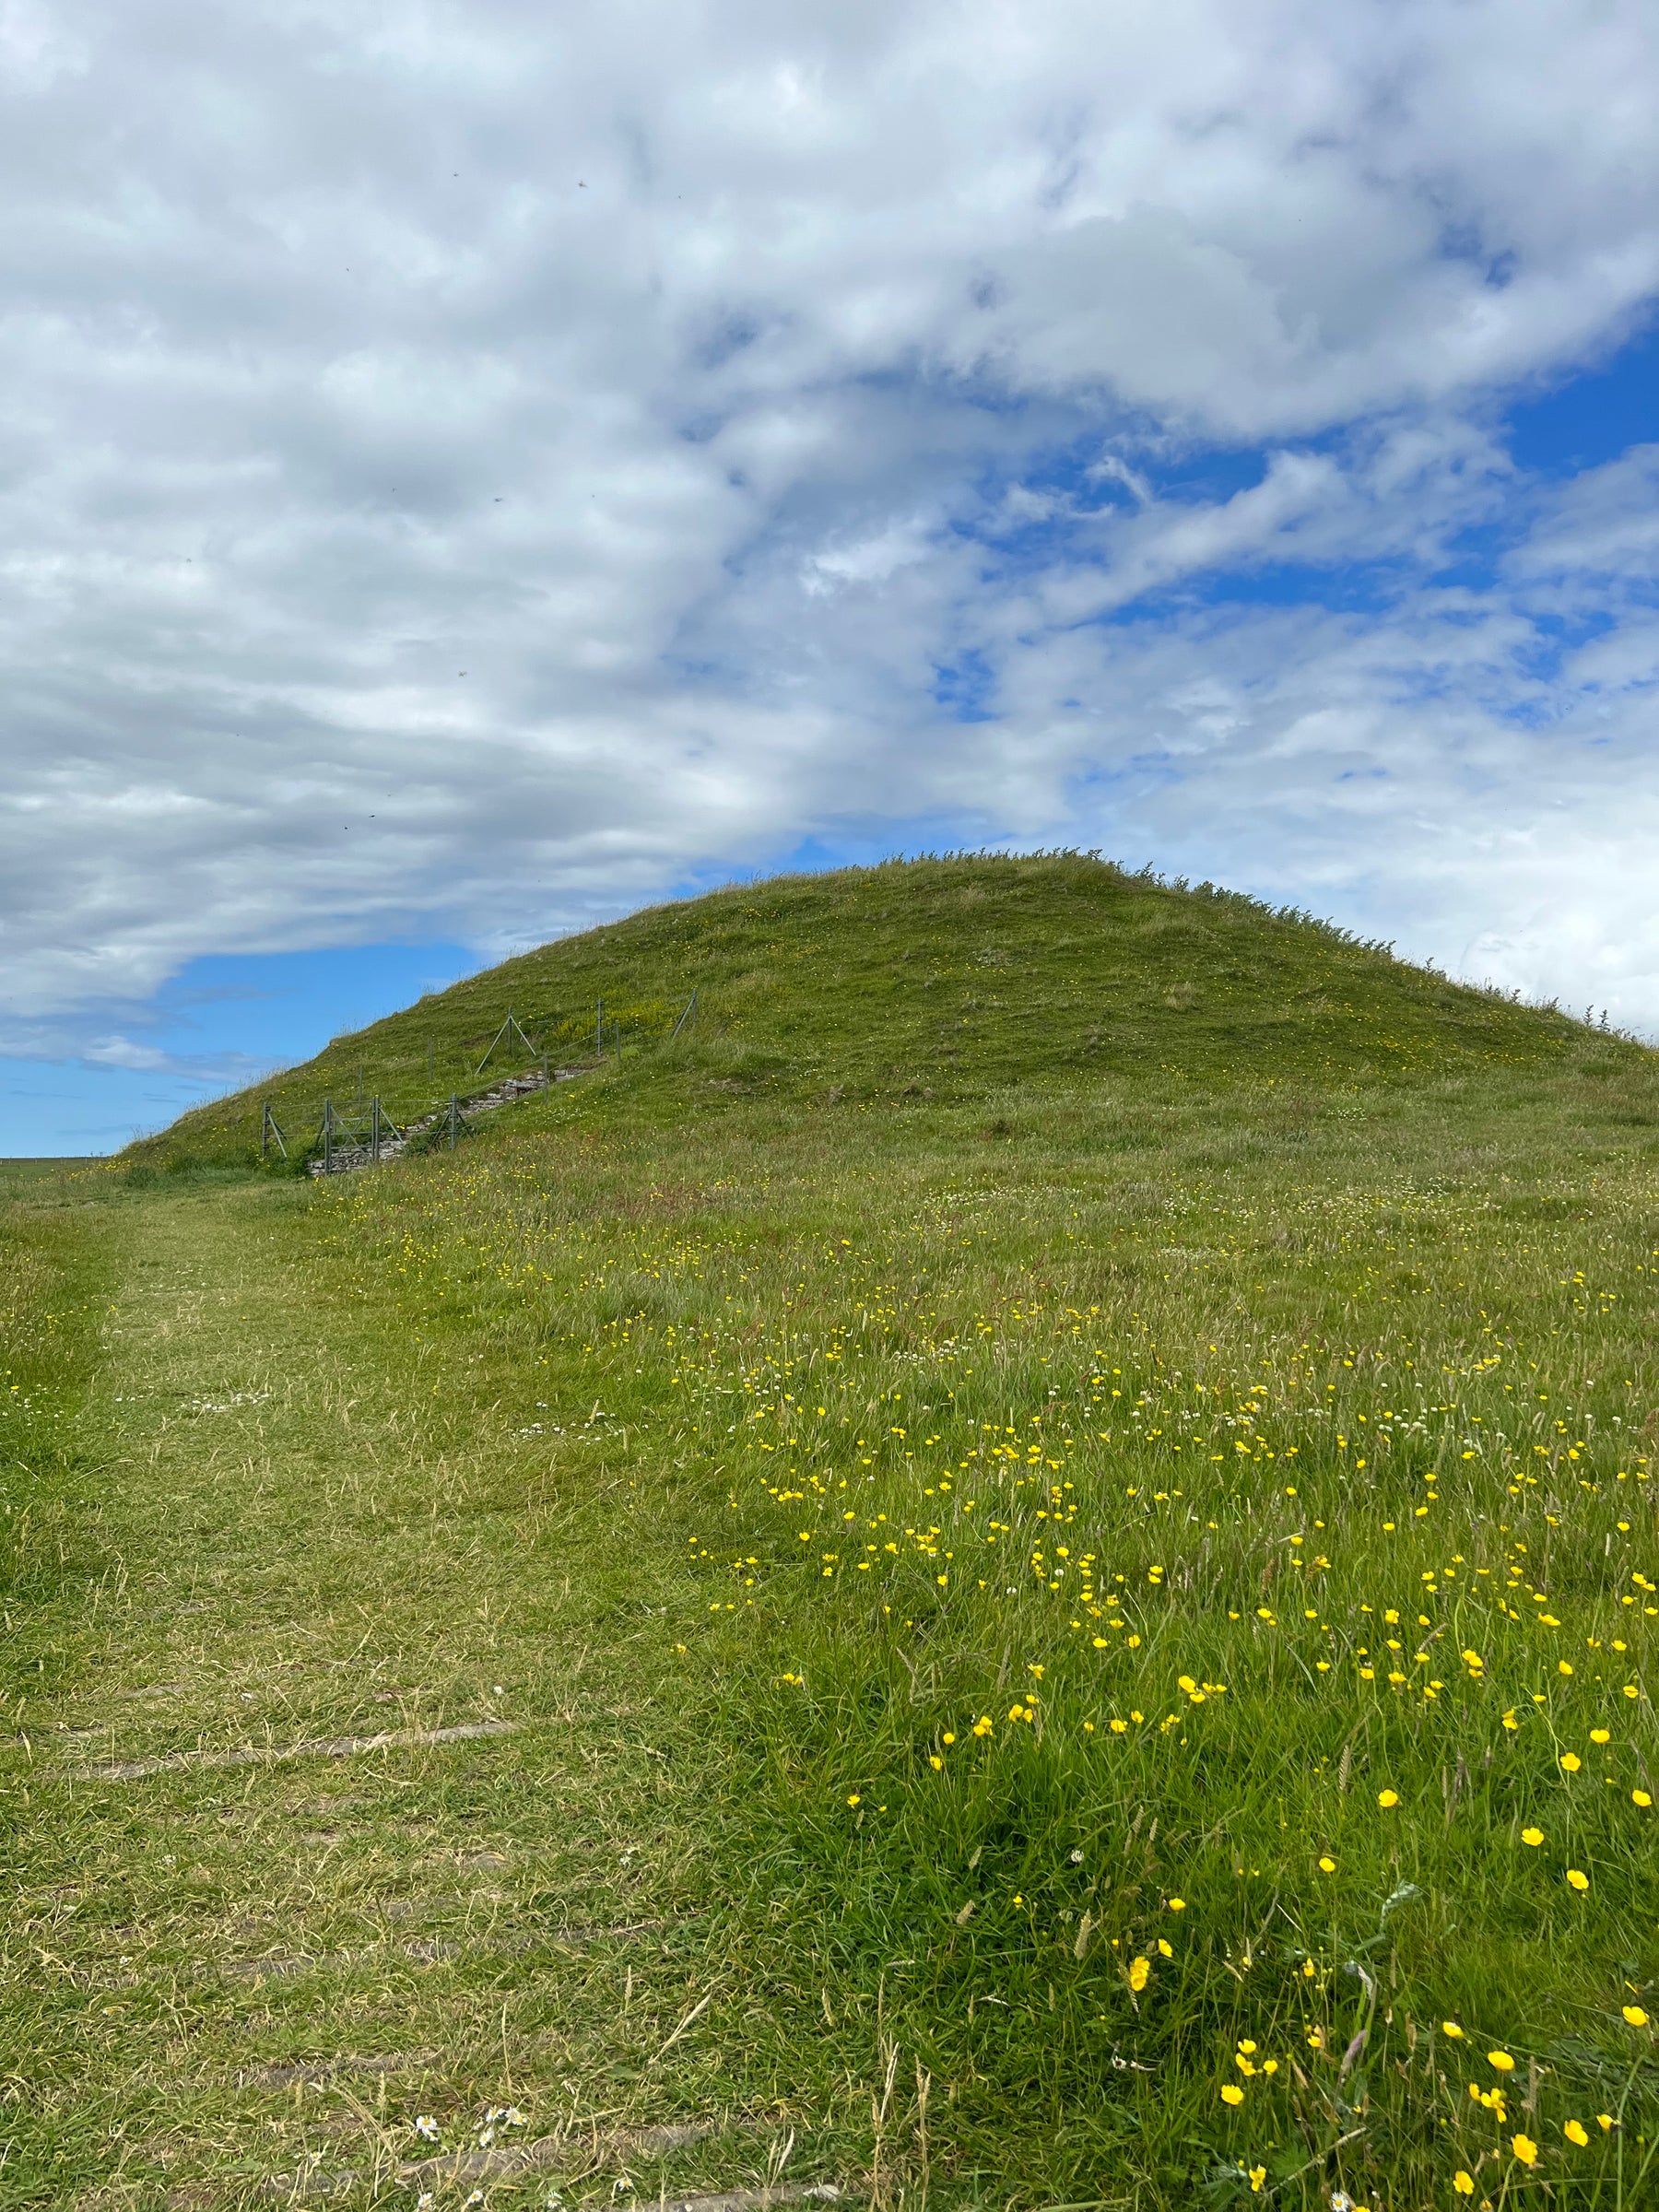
245,1969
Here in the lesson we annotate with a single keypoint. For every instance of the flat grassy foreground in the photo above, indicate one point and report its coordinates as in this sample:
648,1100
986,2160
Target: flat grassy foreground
1086,1646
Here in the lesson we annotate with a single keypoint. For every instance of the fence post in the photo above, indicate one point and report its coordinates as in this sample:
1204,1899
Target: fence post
374,1128
599,1028
270,1127
327,1136
547,1079
454,1117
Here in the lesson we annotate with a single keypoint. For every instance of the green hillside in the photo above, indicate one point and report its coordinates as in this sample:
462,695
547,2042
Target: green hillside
1020,1576
948,977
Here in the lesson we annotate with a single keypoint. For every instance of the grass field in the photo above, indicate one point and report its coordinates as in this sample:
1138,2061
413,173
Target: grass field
1083,1639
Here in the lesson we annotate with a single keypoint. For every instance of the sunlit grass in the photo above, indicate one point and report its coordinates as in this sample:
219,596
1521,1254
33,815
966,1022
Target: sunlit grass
945,979
53,1271
1264,1527
1089,1636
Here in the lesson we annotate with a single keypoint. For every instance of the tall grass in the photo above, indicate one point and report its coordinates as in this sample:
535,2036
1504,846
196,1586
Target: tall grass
1177,1577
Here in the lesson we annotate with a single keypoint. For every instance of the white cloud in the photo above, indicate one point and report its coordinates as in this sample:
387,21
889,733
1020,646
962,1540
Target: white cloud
1604,524
872,560
469,466
122,1052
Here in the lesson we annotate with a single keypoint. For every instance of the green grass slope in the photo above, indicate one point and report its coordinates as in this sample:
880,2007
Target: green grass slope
1025,1575
948,977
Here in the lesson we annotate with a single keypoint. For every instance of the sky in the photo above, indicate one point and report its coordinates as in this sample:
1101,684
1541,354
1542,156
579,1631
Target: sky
467,471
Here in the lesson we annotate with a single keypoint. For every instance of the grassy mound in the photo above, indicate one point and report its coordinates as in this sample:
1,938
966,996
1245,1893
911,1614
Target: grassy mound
946,979
1062,1501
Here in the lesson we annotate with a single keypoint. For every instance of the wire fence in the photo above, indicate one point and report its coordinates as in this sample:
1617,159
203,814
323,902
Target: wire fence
336,1138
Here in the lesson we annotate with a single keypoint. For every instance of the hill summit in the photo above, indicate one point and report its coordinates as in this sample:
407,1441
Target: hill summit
945,979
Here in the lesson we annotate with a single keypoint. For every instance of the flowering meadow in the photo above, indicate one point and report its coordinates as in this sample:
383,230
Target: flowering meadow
1022,1571
1180,1595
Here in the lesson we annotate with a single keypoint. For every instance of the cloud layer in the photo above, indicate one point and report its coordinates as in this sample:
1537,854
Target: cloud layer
468,468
